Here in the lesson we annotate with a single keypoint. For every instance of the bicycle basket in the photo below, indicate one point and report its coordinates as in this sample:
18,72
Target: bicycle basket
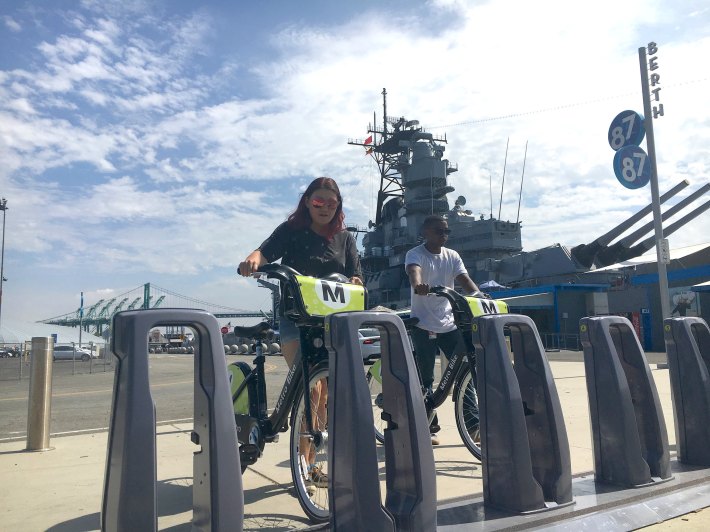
321,297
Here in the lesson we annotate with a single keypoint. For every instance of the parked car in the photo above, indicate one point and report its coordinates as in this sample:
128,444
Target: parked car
66,352
369,343
9,352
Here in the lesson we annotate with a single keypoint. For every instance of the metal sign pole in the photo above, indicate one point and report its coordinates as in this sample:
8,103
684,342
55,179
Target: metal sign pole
661,245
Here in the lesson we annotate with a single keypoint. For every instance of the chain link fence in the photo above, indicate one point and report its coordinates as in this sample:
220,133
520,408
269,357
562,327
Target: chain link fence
69,359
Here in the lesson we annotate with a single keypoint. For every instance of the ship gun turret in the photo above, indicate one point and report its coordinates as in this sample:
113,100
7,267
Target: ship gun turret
556,262
584,254
624,248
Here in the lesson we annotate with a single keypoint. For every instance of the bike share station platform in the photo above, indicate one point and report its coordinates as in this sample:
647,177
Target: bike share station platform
527,480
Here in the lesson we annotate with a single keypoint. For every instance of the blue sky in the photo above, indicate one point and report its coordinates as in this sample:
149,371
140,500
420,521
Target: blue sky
162,141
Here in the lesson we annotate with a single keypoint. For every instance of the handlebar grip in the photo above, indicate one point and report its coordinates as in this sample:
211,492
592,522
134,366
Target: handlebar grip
277,268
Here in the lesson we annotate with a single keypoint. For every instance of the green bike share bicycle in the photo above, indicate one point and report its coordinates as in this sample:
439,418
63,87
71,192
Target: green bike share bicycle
459,374
306,300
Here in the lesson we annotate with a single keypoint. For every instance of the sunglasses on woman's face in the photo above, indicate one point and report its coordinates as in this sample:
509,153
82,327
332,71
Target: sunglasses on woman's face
319,202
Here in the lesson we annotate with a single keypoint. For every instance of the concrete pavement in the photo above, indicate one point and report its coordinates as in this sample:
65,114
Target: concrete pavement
61,489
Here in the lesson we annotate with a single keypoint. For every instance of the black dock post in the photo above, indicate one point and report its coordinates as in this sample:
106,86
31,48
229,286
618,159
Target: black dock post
628,430
354,486
130,484
526,458
688,348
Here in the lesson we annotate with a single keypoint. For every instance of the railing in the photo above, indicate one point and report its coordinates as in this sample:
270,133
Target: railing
560,341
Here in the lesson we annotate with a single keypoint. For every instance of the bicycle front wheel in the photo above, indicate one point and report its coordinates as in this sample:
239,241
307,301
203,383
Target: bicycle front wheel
467,414
309,450
374,383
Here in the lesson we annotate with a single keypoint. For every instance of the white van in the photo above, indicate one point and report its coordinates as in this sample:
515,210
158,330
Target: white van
69,352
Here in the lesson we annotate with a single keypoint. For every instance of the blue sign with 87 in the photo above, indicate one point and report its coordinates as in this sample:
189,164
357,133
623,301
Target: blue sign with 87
626,129
632,167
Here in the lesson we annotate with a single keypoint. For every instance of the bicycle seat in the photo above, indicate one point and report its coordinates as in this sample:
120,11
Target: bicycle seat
259,331
410,322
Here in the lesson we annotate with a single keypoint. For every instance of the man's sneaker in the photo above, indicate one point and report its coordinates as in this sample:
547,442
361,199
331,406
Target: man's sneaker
434,423
434,439
317,477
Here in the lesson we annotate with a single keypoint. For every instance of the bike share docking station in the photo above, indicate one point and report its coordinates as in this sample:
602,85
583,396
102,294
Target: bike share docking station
688,347
354,490
630,441
130,484
632,485
526,457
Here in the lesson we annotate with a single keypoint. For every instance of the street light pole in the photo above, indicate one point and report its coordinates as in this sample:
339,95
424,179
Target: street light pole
3,208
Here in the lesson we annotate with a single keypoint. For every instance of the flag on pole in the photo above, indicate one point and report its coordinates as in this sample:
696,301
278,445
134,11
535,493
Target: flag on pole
368,140
81,306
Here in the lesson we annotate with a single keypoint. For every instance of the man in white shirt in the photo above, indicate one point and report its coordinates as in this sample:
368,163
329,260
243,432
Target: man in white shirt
432,264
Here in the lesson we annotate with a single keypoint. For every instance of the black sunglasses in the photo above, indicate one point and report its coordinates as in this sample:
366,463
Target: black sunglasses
441,231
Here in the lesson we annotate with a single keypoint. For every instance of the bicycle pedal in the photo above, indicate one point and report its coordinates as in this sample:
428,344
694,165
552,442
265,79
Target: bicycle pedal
387,418
248,453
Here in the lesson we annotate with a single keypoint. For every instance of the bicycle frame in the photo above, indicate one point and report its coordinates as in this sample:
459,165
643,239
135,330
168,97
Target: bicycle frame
296,378
307,314
454,368
449,377
306,301
465,310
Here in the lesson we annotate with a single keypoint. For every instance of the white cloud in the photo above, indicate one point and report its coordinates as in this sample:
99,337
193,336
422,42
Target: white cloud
131,118
12,24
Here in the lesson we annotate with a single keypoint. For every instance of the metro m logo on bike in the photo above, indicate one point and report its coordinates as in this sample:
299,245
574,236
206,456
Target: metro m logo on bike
322,297
481,307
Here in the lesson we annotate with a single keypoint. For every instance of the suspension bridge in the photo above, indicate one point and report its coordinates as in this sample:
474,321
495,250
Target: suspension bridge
96,317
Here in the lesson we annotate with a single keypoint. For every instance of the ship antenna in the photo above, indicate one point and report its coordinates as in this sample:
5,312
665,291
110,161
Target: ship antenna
384,108
505,162
490,190
520,195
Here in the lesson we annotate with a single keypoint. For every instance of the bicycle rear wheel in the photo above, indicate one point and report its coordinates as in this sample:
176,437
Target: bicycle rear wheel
467,414
309,452
374,383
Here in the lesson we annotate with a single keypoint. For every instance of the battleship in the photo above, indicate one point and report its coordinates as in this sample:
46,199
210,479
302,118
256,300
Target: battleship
414,184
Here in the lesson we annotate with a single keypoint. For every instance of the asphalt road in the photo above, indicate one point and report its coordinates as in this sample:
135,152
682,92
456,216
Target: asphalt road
81,402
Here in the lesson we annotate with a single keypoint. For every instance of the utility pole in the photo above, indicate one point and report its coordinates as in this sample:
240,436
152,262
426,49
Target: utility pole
3,208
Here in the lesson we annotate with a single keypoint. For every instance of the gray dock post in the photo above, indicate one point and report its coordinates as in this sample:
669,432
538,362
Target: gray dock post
629,434
526,458
39,408
688,348
129,497
354,489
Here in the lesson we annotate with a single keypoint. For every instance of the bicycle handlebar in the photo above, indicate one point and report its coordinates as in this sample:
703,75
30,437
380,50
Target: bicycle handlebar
302,304
280,271
453,296
459,304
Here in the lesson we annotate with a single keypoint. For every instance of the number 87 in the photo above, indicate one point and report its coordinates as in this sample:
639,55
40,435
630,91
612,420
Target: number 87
618,138
629,172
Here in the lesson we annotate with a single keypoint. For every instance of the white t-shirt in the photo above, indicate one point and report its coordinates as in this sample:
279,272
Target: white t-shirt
434,312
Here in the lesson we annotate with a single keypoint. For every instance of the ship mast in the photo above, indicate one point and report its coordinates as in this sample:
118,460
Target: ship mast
388,154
